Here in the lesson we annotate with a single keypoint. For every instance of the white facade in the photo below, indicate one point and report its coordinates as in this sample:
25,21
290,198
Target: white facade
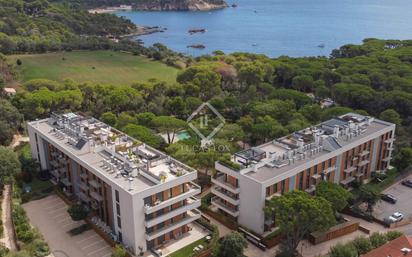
97,156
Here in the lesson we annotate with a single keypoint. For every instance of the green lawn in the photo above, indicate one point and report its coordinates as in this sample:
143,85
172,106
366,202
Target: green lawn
109,67
188,250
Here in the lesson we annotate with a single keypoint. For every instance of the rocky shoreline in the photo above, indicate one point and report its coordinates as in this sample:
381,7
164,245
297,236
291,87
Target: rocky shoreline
166,5
179,5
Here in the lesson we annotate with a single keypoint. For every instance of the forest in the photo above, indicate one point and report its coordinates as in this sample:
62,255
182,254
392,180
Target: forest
29,26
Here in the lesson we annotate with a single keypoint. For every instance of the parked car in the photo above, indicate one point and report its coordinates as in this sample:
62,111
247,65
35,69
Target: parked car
396,217
407,182
389,198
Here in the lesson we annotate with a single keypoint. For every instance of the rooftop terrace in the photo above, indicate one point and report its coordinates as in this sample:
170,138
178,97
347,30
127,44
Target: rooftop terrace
120,158
281,155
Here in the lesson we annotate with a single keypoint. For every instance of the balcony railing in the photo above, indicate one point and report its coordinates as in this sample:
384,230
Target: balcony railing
329,170
219,180
84,197
83,186
364,152
363,163
193,190
83,175
190,217
94,184
389,140
96,196
221,205
228,196
350,169
311,189
66,182
193,203
386,159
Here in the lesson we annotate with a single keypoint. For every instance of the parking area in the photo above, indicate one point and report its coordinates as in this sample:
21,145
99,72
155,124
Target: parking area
403,194
50,216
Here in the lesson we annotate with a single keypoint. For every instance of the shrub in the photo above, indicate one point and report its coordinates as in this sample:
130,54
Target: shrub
378,239
39,248
119,251
362,245
77,212
392,235
341,250
79,230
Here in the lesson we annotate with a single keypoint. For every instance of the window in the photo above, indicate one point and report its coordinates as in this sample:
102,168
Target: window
120,237
117,196
118,209
119,222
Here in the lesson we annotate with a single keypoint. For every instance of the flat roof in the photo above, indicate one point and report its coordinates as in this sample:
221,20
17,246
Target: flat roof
280,151
122,160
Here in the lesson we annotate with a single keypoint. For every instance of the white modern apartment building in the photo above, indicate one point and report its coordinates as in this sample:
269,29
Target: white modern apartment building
341,150
144,197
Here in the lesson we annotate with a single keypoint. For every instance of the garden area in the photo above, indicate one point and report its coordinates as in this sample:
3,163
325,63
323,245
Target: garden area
203,245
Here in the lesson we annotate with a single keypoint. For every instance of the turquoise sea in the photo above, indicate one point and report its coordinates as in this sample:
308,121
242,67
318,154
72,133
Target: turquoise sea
280,27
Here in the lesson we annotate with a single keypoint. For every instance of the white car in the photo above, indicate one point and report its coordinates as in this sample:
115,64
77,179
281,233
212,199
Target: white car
396,217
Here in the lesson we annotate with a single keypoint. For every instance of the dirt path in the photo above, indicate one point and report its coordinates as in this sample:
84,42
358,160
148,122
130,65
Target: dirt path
8,240
17,140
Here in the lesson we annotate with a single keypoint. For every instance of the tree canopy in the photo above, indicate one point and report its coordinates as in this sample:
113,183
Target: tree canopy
9,165
334,193
299,214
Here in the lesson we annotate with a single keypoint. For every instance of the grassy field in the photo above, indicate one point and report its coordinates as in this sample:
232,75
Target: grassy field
109,67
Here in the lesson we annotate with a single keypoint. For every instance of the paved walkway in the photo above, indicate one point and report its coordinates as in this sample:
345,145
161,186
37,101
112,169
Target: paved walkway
8,235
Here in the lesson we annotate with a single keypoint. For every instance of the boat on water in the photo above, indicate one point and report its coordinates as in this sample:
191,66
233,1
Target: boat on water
197,46
194,31
234,5
321,45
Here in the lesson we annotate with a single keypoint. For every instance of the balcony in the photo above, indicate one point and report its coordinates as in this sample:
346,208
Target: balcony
191,216
311,189
66,182
83,197
387,159
347,181
389,140
228,196
221,205
329,170
220,181
193,190
83,175
96,196
363,153
55,173
363,163
94,184
316,177
274,195
63,170
83,186
53,163
193,203
350,169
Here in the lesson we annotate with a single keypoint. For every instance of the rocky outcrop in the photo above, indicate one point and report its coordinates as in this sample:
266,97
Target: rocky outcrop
179,5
